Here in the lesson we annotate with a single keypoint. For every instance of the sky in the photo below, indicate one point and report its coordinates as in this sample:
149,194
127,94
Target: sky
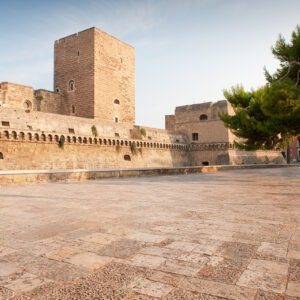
186,51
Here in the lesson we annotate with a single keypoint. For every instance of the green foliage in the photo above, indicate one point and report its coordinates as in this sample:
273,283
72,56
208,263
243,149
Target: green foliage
39,97
118,148
29,127
133,148
94,131
256,129
266,118
286,53
143,132
61,142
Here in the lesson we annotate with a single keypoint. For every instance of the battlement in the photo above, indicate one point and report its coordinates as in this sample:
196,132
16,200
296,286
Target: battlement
74,35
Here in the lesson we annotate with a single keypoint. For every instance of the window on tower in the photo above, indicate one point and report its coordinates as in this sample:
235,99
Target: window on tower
71,85
195,136
203,117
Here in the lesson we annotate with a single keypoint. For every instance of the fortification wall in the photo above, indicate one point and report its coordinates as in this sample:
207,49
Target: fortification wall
170,122
14,95
74,61
51,123
114,79
210,131
203,120
226,154
48,101
238,157
21,151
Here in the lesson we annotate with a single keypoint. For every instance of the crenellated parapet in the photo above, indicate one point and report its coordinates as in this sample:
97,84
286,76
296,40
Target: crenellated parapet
32,136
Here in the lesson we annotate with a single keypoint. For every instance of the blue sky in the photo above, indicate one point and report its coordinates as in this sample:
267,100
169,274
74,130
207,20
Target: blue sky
187,51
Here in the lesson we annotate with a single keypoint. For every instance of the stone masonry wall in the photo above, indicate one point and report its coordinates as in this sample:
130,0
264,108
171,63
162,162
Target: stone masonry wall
21,153
51,102
211,129
19,120
74,60
14,95
170,122
114,79
101,68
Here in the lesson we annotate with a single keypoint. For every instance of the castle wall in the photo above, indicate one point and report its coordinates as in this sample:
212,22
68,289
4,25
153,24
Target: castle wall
170,122
14,95
219,156
49,102
60,124
74,61
101,69
114,79
202,119
211,131
238,157
29,150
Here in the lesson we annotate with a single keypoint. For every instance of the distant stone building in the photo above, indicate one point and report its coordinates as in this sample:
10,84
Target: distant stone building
88,121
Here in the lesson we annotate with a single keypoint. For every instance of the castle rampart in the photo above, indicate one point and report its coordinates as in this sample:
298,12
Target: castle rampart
88,121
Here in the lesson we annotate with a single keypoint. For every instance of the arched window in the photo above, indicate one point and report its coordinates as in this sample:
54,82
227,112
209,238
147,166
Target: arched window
27,105
203,117
116,101
71,85
1,155
127,157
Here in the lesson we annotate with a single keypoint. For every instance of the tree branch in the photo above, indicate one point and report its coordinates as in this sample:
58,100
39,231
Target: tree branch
291,63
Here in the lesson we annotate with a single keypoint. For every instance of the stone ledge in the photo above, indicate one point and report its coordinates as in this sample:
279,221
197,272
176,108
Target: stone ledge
44,176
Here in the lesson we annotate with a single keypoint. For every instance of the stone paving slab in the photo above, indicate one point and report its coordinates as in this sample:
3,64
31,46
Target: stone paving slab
230,235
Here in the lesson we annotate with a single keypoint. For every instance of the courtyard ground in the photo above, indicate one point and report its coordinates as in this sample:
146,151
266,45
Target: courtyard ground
226,235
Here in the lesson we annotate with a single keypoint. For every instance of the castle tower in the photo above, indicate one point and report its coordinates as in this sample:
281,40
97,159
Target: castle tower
95,73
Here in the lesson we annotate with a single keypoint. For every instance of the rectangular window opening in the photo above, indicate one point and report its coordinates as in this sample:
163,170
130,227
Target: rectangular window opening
195,136
5,123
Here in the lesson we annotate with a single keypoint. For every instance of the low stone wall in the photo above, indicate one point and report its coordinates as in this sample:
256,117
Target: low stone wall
46,176
237,157
226,154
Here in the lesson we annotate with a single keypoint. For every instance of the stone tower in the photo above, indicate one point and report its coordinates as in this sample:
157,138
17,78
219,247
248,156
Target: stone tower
95,73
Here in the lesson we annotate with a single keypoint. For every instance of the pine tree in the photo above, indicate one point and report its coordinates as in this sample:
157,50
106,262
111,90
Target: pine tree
268,117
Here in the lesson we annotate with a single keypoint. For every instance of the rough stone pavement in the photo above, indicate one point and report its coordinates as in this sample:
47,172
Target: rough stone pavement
226,235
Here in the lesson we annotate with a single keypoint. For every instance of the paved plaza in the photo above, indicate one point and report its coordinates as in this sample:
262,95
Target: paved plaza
225,235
